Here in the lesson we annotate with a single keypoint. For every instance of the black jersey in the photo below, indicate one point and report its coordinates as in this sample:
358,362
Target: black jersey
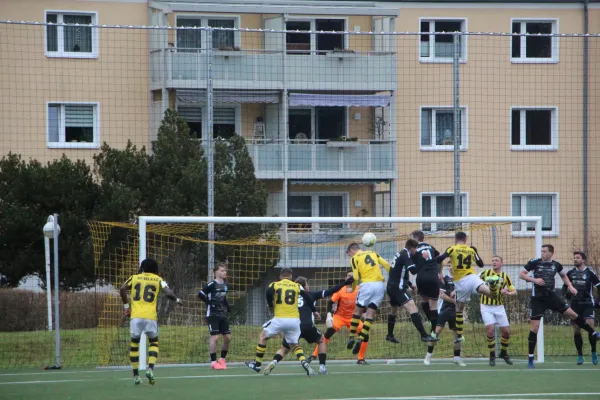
546,270
214,295
448,288
584,281
425,259
307,308
398,276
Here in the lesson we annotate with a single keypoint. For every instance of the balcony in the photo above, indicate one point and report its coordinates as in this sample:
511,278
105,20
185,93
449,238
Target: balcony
260,69
365,159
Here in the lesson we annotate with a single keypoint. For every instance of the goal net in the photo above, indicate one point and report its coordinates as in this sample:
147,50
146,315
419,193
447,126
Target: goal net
255,249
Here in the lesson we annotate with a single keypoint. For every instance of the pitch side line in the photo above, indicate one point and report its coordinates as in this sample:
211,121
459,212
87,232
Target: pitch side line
471,396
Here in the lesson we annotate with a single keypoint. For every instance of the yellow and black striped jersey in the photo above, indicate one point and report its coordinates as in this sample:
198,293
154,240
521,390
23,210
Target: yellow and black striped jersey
366,267
283,297
462,258
145,288
504,283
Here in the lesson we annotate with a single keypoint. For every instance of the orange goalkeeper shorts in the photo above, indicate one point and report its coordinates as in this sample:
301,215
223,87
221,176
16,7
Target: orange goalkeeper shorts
339,323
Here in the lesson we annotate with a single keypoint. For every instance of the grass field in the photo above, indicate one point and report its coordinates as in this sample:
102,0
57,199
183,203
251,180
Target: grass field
401,381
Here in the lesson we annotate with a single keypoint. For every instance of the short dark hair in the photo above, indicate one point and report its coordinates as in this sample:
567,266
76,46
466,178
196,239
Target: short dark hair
302,281
460,236
149,265
353,246
411,244
418,235
286,272
219,265
581,253
549,247
496,256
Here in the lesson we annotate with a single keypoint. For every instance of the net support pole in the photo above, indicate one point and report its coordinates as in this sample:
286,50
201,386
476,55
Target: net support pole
456,108
210,157
48,282
494,252
142,257
538,254
56,297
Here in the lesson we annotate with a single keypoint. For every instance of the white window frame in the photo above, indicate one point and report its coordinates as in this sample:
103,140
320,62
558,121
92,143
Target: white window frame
432,58
237,34
555,213
522,59
315,203
60,53
465,206
464,127
313,28
553,126
62,144
204,107
313,120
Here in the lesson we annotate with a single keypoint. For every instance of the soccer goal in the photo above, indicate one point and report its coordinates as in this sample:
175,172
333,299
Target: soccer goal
256,248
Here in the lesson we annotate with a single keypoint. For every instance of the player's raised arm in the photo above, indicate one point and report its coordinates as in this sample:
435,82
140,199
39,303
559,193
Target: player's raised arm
332,290
444,255
383,262
124,291
355,273
308,299
478,259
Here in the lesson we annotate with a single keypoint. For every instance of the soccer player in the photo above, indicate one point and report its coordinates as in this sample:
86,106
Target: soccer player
397,286
544,296
308,330
214,295
447,314
428,277
493,312
344,302
466,280
584,280
144,289
366,269
283,297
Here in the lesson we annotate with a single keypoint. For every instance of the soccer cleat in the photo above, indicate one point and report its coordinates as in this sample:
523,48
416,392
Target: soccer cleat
492,362
459,362
350,343
309,371
392,339
322,370
270,367
530,364
427,360
580,360
356,348
252,366
150,376
310,359
362,361
432,338
507,360
459,339
137,380
594,358
223,363
216,365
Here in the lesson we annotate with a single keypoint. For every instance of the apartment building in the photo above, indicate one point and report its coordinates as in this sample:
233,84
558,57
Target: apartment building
338,124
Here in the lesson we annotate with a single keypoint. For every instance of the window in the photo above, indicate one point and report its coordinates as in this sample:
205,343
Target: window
78,40
325,122
441,205
302,42
193,116
193,40
437,128
535,49
224,120
317,205
73,125
440,48
534,128
535,204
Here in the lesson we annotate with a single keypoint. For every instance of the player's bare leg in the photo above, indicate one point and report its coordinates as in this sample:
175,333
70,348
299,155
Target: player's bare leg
225,350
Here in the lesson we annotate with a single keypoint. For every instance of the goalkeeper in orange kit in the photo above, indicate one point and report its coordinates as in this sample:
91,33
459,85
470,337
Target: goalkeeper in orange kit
344,302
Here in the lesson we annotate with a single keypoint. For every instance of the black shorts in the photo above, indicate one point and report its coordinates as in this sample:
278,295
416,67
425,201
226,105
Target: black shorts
218,325
551,302
428,284
586,311
398,297
447,315
309,333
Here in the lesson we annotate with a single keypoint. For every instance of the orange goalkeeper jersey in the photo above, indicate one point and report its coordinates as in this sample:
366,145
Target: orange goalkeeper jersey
346,302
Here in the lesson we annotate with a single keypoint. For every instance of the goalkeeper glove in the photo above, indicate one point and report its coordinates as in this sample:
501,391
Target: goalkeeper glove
329,320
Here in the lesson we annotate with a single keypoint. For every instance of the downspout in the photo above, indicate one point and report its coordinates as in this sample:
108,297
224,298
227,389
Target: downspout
585,122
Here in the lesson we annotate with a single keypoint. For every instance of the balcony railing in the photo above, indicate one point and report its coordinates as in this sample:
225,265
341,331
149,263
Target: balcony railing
363,159
260,69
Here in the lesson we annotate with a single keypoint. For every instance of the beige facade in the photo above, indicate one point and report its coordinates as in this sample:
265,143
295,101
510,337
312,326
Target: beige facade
134,77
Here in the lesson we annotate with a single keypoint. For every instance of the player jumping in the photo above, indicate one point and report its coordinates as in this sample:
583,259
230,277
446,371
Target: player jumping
144,289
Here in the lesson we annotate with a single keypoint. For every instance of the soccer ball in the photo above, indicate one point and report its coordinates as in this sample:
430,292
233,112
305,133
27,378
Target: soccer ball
369,239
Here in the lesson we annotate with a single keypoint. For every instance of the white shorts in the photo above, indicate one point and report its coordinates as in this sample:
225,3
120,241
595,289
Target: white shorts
494,315
137,326
467,286
289,327
370,293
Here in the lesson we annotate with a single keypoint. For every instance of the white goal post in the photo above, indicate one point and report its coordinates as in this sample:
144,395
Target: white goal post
143,221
